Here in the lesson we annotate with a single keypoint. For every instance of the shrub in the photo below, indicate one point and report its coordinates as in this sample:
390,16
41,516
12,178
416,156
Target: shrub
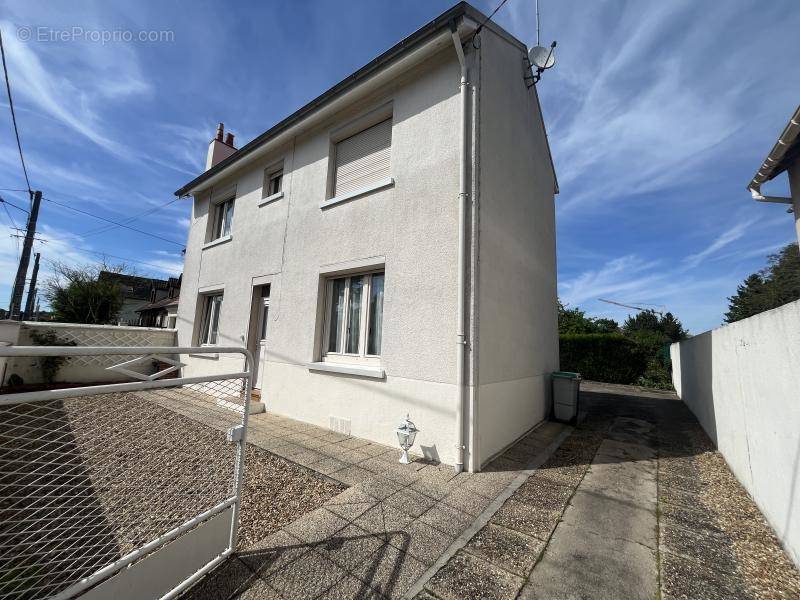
612,358
50,364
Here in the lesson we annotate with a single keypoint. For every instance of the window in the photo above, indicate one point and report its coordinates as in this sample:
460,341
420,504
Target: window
210,331
354,317
362,160
273,182
223,216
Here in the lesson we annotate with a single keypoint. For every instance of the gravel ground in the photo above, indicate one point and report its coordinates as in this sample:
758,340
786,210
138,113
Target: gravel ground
276,492
112,472
715,540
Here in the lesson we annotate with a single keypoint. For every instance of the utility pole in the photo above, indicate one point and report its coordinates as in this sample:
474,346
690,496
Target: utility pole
24,259
32,290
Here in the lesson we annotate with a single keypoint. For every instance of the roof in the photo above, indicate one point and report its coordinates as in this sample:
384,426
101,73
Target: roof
164,303
411,42
785,150
138,287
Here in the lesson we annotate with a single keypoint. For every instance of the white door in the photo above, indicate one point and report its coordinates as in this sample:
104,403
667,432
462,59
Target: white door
261,348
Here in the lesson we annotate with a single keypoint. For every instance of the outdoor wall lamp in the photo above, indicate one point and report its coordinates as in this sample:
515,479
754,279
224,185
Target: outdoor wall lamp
406,434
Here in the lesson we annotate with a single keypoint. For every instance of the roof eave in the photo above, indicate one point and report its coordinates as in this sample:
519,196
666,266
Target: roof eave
783,152
425,34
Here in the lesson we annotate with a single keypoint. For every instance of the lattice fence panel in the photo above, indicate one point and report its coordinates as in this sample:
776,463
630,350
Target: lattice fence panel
86,480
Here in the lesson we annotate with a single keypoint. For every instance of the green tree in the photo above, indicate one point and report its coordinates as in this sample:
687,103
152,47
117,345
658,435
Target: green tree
77,296
574,320
771,287
654,333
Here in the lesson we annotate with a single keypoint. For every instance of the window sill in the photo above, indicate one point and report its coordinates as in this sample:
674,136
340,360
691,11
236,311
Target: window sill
378,185
271,198
359,370
213,356
218,241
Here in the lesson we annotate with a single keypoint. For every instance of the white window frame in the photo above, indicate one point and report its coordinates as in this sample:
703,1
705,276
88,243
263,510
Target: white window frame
218,225
210,310
340,356
270,176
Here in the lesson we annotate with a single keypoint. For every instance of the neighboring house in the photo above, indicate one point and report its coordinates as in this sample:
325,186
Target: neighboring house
136,293
162,313
784,156
389,249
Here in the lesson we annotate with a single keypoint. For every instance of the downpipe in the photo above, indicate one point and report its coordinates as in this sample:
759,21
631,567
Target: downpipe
461,340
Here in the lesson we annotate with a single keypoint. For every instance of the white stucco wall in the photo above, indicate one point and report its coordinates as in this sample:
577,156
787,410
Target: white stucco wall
411,228
742,381
517,325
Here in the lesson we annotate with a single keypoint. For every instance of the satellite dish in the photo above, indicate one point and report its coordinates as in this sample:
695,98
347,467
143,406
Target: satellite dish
542,58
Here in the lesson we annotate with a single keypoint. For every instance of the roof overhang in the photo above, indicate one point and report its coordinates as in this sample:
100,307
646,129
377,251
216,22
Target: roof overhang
410,52
785,150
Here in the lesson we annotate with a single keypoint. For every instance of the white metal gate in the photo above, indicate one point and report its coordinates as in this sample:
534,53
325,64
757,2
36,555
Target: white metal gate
124,490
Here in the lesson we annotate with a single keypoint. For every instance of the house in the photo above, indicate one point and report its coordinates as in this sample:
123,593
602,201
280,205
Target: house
784,157
136,293
164,312
389,249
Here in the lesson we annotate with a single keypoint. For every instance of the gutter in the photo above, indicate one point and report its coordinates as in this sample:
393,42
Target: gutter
785,149
461,342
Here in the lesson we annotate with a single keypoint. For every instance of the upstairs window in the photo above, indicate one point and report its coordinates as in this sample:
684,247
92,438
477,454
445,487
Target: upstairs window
212,305
362,160
354,318
223,217
273,182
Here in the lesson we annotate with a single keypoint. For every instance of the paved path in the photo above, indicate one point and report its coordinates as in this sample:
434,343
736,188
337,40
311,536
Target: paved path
632,503
606,543
392,528
635,503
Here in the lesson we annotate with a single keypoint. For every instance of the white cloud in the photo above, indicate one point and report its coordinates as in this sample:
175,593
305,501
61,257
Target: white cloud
724,239
56,95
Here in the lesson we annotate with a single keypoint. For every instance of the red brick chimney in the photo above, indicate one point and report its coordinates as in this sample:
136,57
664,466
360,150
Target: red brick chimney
219,150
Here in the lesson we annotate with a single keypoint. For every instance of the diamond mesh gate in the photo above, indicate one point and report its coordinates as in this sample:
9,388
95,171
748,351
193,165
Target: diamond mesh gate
94,479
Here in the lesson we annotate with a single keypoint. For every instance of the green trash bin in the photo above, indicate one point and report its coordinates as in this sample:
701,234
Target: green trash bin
566,389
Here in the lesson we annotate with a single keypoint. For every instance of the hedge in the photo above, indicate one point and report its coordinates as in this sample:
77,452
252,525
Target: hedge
612,358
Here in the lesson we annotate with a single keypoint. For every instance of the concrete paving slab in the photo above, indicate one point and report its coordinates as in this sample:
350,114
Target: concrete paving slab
308,577
582,564
685,578
637,492
316,526
351,547
465,576
423,542
612,518
526,519
506,549
351,588
390,571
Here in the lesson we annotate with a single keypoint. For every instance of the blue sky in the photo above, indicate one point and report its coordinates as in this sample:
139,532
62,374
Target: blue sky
658,115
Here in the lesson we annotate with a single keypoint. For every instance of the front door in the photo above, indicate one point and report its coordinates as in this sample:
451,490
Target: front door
261,338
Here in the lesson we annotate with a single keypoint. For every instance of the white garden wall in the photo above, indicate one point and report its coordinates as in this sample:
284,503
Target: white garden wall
742,381
79,369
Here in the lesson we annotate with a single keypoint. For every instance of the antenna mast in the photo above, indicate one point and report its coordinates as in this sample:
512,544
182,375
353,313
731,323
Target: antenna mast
537,22
639,308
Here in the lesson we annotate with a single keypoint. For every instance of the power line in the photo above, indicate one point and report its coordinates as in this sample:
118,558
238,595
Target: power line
101,253
489,18
130,219
14,116
115,223
14,224
4,202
